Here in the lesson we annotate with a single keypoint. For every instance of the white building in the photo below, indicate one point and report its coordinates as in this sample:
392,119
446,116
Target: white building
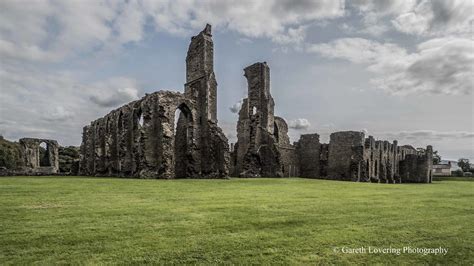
442,169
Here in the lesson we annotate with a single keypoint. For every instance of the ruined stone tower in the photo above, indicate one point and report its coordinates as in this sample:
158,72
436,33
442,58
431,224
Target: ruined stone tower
263,147
142,138
201,85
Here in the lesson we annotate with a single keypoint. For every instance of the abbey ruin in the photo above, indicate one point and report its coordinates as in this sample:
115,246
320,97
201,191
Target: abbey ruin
33,157
142,138
172,135
263,147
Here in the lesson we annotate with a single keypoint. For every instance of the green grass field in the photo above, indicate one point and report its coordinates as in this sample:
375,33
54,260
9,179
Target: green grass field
292,221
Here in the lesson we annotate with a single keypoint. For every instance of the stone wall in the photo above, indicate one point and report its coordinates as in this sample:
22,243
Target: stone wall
345,148
309,153
38,161
263,147
355,158
165,134
417,168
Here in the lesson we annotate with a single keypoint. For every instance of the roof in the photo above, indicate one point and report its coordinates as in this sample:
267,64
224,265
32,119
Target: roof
441,166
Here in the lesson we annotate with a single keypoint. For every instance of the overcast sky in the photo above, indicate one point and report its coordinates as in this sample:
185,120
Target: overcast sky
395,69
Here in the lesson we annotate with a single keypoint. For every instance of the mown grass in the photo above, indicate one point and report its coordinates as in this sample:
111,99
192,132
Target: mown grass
292,221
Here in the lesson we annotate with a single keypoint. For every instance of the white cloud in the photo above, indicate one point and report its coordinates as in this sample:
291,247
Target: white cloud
279,20
52,30
113,92
439,66
37,103
36,35
235,108
437,18
423,17
58,113
386,7
429,135
299,124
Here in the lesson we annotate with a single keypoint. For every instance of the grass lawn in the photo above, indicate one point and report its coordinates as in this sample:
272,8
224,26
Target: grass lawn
293,220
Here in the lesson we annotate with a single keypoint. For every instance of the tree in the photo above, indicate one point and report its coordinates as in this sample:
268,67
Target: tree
436,157
464,164
420,151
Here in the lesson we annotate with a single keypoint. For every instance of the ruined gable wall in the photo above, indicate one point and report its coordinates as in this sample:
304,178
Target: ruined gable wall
201,87
257,151
260,101
201,84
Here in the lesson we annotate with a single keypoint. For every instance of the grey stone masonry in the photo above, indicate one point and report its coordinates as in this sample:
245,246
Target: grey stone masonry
263,147
165,134
39,161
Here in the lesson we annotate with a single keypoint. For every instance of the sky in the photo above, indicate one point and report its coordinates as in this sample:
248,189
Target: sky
395,69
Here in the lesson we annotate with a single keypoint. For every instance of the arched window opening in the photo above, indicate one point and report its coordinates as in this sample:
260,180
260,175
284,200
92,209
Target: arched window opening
44,155
183,138
177,115
138,117
254,110
140,120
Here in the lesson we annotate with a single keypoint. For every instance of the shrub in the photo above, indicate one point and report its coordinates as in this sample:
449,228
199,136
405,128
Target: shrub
10,156
457,173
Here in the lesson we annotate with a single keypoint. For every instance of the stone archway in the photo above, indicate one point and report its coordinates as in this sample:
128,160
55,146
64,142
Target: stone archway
43,154
183,141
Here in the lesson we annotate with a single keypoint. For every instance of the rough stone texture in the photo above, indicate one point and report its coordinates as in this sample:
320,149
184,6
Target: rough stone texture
309,153
263,147
354,158
33,161
28,157
417,168
140,139
344,148
175,135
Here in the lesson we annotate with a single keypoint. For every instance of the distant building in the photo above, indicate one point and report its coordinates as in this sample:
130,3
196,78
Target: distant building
454,164
442,169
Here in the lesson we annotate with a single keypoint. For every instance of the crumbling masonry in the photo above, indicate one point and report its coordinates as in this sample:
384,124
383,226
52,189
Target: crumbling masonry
38,160
146,139
263,147
142,139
